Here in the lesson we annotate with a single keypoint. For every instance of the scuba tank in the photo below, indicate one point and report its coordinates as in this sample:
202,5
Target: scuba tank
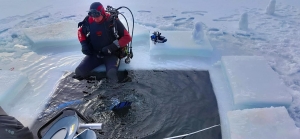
127,51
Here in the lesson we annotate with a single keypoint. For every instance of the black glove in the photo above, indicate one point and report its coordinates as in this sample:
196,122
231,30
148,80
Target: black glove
86,49
87,52
109,49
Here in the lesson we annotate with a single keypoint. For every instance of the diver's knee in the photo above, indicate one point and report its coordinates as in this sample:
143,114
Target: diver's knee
78,71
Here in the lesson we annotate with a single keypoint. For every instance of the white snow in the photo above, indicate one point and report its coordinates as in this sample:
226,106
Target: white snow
262,123
274,36
254,83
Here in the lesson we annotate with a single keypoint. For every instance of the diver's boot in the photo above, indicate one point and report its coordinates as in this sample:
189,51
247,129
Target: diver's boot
113,79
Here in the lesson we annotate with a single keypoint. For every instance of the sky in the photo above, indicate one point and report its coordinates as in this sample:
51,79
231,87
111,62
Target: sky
275,37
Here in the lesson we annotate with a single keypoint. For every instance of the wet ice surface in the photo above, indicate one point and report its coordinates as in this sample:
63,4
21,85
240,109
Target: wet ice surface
164,104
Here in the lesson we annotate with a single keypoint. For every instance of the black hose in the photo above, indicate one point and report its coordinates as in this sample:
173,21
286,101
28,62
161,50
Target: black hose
126,21
114,12
127,24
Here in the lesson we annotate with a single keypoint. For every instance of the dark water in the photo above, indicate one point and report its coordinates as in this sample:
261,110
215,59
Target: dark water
164,104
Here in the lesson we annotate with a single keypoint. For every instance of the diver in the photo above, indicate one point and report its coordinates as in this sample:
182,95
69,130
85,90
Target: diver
100,44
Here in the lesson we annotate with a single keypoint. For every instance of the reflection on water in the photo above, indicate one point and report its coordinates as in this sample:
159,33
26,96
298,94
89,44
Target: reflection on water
164,104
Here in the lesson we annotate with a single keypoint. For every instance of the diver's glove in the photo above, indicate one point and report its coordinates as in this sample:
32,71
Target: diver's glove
85,48
109,49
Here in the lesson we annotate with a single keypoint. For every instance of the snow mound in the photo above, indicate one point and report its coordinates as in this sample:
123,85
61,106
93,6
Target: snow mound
243,23
140,33
181,43
63,34
198,32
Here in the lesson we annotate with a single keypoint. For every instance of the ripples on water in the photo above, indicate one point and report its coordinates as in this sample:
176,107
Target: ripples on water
164,104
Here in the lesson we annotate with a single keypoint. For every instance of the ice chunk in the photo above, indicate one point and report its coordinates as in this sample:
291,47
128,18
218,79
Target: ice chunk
198,32
262,123
271,7
223,95
122,67
57,34
181,43
243,23
254,83
11,82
